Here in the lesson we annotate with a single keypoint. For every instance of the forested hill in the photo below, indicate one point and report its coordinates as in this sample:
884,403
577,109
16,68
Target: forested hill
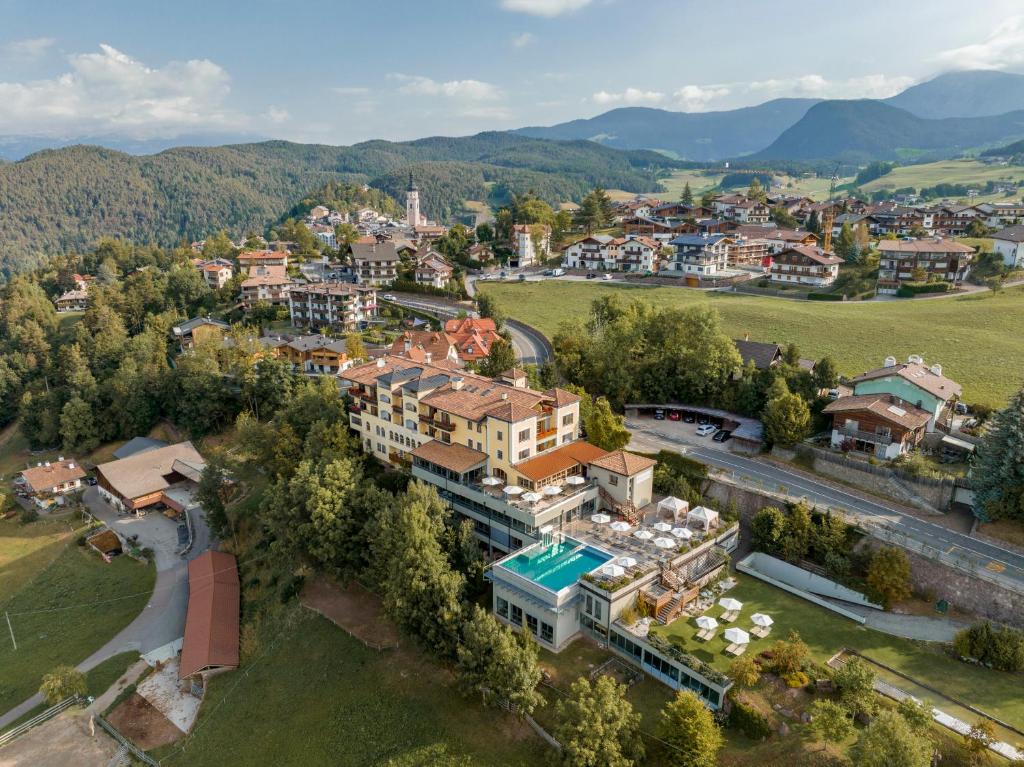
65,199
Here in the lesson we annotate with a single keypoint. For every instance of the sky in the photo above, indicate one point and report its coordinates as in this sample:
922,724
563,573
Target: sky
343,72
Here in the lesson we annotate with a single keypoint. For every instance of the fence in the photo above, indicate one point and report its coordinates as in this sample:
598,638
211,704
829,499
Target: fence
137,752
38,719
878,471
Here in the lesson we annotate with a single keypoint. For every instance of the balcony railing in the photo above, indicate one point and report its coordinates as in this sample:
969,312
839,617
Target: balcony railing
866,436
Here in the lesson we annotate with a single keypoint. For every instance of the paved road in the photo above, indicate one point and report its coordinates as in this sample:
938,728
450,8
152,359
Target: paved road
528,344
751,471
162,620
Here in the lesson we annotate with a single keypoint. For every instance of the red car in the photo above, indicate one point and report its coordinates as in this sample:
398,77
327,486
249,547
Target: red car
674,415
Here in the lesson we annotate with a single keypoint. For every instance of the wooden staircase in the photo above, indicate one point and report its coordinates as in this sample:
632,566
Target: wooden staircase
669,612
627,510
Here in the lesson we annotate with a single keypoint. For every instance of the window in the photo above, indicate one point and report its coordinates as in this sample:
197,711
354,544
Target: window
502,608
589,605
547,633
523,454
499,436
567,419
517,615
597,609
501,456
613,479
524,435
531,624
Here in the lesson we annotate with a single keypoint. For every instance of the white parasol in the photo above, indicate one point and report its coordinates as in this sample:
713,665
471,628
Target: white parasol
575,479
513,490
600,519
664,543
532,497
552,490
614,571
627,561
706,622
762,620
736,636
662,527
620,526
682,532
643,535
731,605
491,481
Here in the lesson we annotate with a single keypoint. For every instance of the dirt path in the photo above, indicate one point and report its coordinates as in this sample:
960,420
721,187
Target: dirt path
353,608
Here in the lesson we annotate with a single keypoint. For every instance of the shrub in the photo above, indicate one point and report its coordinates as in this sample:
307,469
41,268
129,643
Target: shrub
796,679
911,289
61,683
28,516
1001,648
824,297
80,540
749,721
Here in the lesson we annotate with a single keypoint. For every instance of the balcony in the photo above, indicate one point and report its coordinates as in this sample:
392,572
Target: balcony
437,424
866,436
543,434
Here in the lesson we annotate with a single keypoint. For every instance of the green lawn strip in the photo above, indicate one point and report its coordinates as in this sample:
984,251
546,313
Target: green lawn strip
84,603
27,550
976,338
967,172
99,679
826,633
321,697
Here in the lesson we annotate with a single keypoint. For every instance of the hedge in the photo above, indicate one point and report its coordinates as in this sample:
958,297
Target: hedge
824,296
910,289
749,721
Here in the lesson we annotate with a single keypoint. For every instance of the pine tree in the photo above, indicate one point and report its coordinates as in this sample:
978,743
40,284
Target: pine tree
687,198
998,476
846,245
756,190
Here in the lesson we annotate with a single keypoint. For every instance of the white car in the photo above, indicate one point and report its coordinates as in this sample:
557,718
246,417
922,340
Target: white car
706,429
606,277
388,297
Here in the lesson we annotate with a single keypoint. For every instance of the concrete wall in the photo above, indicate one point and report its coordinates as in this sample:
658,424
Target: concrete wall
803,580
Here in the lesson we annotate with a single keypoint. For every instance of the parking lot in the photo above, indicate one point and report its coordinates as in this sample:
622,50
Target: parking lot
682,429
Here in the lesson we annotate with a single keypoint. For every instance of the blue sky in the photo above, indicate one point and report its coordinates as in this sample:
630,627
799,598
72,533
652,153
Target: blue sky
340,72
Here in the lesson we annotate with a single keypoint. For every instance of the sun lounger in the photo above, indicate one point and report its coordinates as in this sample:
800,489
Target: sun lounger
730,616
736,649
761,631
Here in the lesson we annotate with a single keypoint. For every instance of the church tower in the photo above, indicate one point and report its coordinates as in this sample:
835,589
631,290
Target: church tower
412,204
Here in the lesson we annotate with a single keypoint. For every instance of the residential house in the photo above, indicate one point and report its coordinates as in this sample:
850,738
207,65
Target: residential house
216,273
50,479
1009,243
776,239
332,303
591,252
269,284
999,215
472,336
889,218
252,259
880,424
912,381
189,332
526,249
480,251
315,354
763,356
953,220
739,207
633,253
702,255
925,259
325,234
432,269
428,232
72,301
639,254
805,265
375,263
429,346
162,476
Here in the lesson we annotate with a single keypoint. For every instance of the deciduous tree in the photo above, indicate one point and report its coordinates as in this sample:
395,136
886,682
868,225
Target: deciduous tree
688,727
606,429
597,726
830,721
61,683
890,742
888,576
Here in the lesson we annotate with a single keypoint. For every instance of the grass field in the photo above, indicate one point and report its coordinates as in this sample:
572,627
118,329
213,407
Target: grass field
27,550
976,338
65,612
970,172
321,697
826,633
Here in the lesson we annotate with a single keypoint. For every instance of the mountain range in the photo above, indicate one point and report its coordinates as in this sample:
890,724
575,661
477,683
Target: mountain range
942,116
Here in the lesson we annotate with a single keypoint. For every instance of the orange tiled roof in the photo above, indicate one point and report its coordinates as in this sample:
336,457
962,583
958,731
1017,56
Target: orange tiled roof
560,459
624,463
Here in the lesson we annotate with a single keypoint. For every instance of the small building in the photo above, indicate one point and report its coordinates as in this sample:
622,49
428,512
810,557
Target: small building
880,424
762,355
472,336
73,301
211,641
921,385
189,332
217,273
433,270
527,250
926,259
1009,243
53,478
805,265
627,479
316,354
106,543
144,479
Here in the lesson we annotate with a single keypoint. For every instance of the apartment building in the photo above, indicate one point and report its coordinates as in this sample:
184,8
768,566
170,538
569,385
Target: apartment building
806,266
913,260
251,259
526,249
375,263
703,255
217,273
266,283
603,253
332,303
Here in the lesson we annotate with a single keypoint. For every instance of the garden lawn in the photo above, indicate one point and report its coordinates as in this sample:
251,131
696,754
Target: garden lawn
99,678
27,550
67,612
321,697
826,633
976,338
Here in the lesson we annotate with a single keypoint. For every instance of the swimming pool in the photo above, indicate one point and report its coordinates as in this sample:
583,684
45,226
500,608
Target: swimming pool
557,566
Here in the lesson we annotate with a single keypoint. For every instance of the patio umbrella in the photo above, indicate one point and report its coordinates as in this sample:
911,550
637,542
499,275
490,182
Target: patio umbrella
706,622
643,535
513,490
682,532
491,481
627,561
730,604
613,570
664,543
736,636
620,527
600,519
762,620
532,497
575,479
662,527
552,490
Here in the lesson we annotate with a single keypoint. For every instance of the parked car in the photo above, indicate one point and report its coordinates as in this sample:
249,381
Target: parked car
503,275
705,430
522,278
689,417
591,275
659,415
961,408
703,420
182,534
606,277
558,273
674,415
91,481
549,272
722,435
388,297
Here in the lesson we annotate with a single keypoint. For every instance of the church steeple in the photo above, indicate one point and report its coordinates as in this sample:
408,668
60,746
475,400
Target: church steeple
412,184
412,204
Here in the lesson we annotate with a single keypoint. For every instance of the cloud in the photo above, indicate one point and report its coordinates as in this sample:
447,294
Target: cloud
546,8
523,40
110,92
485,112
276,115
351,90
1002,49
467,90
33,48
628,96
816,86
695,98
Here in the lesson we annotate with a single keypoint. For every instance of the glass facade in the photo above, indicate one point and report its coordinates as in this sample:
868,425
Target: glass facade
672,673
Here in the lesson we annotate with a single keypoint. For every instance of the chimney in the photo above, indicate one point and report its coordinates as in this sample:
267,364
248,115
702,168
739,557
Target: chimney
60,458
457,382
936,369
408,343
380,362
504,395
428,357
71,464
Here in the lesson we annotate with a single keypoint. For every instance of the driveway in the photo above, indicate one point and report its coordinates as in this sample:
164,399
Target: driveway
162,620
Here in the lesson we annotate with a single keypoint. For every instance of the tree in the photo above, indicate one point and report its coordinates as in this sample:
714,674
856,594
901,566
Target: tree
846,245
789,655
826,374
218,246
814,223
977,740
499,663
211,494
855,682
977,228
345,235
786,418
890,742
830,722
500,357
487,307
594,211
888,576
767,530
916,714
687,196
78,426
783,217
354,347
688,726
484,232
756,190
606,429
744,671
61,683
796,542
998,476
597,726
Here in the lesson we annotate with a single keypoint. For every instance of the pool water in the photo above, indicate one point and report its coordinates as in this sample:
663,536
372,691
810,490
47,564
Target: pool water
559,565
